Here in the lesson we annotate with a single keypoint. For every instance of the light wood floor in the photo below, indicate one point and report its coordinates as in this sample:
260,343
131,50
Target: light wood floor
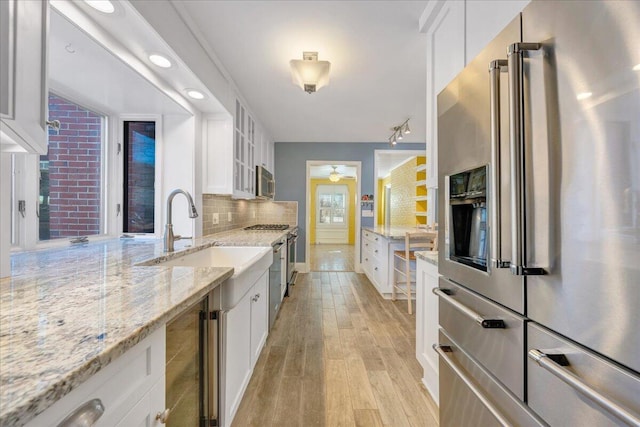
332,257
338,355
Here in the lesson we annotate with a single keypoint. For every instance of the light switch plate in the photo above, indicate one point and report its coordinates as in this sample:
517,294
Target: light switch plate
216,218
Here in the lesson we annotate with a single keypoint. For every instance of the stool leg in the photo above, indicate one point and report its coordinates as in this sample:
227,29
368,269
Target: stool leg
407,266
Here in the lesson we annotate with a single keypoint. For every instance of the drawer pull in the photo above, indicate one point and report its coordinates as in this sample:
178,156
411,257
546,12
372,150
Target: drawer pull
443,351
485,323
548,363
85,415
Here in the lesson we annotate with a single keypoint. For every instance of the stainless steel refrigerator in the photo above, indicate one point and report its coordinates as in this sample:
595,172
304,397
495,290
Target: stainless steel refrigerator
539,160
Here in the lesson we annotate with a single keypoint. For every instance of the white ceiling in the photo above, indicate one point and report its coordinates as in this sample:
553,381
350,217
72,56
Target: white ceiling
377,55
82,69
323,171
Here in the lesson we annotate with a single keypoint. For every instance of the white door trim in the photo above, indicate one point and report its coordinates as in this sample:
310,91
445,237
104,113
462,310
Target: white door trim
358,165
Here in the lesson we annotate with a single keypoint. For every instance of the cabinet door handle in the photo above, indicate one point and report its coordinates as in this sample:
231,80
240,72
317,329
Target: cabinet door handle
256,297
495,68
546,362
376,251
376,268
443,351
517,148
163,416
485,323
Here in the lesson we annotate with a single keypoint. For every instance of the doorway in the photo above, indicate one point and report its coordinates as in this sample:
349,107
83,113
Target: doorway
333,215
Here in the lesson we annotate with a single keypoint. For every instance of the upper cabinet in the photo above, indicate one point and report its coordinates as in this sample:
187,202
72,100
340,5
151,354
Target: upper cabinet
232,147
23,75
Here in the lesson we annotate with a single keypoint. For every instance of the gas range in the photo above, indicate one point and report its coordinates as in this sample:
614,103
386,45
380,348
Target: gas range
268,227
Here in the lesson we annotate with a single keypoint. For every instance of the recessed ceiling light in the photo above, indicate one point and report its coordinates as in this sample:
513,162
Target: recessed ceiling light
160,60
104,6
636,67
195,94
583,95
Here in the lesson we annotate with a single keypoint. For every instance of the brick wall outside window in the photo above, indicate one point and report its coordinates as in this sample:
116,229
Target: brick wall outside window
70,173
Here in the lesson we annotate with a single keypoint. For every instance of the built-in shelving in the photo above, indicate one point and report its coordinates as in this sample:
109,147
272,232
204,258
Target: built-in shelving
421,191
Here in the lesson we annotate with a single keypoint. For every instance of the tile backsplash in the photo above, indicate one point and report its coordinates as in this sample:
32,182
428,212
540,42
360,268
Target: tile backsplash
244,213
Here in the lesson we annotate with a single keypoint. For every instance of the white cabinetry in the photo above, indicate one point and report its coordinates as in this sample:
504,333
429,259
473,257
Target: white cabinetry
245,333
377,260
427,324
23,75
244,148
131,388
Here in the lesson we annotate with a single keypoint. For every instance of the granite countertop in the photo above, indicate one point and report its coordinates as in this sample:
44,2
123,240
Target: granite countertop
67,312
429,256
393,232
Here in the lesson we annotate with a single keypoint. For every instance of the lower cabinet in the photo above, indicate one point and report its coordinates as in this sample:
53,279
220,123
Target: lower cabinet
246,327
131,389
377,260
427,324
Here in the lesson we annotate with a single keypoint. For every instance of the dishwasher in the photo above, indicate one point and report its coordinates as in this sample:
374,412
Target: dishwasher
278,266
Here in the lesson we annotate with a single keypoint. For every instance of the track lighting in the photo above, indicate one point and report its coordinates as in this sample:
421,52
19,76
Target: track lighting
399,132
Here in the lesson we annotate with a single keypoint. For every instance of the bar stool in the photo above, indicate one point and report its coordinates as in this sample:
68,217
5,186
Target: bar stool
413,241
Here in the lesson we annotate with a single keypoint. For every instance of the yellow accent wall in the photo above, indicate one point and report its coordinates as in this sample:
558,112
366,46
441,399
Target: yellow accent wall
403,190
381,202
351,184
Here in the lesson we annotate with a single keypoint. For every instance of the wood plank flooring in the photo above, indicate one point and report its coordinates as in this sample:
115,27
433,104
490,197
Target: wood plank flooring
331,257
338,355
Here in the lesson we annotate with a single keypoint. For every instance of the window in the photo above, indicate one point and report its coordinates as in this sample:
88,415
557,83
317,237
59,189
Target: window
70,185
332,205
139,176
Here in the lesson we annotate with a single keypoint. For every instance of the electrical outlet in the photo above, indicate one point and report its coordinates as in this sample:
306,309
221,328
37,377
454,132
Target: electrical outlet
216,218
229,216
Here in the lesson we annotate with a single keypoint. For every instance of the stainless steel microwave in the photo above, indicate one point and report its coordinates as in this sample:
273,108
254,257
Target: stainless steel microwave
265,184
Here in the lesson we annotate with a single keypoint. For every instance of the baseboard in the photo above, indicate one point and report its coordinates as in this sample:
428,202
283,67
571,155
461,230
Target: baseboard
302,267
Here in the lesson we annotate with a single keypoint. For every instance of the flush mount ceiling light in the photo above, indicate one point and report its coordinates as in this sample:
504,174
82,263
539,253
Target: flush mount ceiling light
195,94
636,67
399,132
160,60
309,73
335,175
104,6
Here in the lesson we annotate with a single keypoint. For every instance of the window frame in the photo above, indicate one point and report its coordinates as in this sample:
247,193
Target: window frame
346,194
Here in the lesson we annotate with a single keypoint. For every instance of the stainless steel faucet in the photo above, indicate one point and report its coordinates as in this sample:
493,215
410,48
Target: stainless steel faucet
169,238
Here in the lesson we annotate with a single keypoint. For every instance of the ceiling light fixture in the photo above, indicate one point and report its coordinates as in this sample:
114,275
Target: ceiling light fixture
104,6
584,95
160,60
399,132
309,73
335,175
636,67
195,94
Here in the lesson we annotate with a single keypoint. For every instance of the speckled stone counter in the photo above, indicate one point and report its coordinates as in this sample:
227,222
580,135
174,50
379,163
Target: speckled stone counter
394,232
67,312
430,256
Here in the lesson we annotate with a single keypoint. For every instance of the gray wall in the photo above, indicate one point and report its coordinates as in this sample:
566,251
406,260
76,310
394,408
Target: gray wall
291,172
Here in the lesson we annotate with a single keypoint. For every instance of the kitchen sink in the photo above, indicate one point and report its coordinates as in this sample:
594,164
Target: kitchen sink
248,263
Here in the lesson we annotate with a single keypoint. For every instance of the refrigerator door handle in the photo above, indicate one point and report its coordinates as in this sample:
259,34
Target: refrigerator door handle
443,351
495,68
517,153
485,323
545,361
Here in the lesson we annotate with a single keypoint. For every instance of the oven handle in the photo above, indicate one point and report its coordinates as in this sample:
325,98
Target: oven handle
544,361
485,323
443,351
495,68
517,148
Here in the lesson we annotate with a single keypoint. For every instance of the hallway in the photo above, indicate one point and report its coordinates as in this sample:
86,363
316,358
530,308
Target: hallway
332,257
338,354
